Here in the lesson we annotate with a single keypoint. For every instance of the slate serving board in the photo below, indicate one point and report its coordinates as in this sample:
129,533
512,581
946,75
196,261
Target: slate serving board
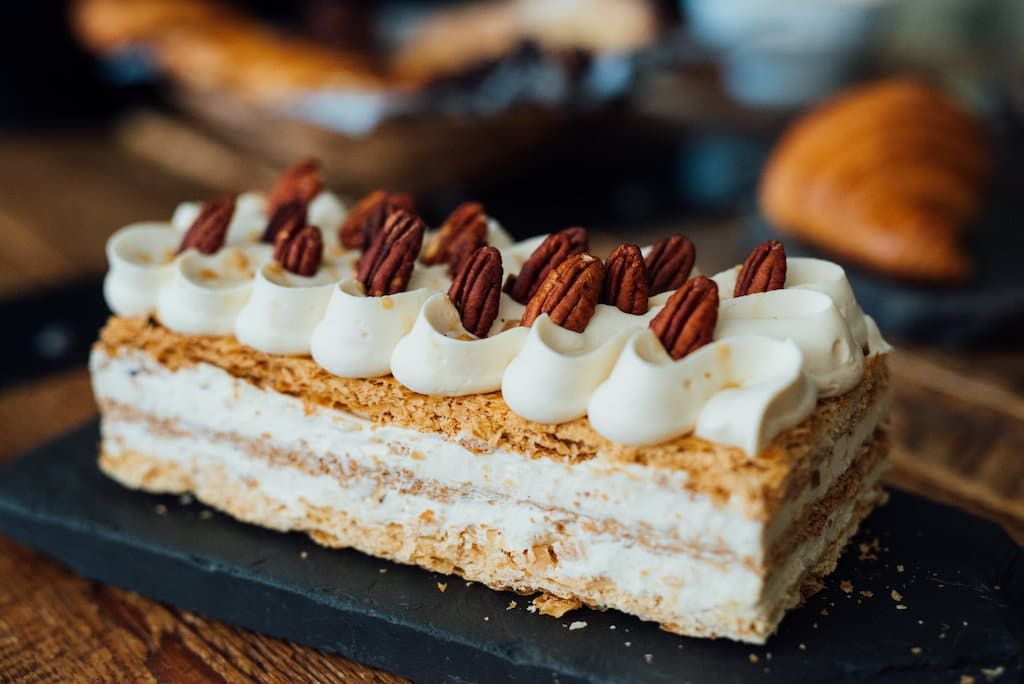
957,610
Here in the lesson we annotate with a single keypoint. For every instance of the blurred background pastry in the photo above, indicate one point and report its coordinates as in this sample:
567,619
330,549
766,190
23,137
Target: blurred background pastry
888,176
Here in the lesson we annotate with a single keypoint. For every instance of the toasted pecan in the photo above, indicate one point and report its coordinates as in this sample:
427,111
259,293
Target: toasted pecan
300,251
568,294
208,231
300,183
387,265
669,263
688,320
369,215
289,217
763,270
476,290
466,224
555,249
625,280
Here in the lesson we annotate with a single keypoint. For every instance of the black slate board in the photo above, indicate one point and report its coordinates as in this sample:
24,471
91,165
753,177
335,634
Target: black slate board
960,578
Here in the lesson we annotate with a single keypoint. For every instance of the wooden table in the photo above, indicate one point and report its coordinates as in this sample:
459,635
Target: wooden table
958,420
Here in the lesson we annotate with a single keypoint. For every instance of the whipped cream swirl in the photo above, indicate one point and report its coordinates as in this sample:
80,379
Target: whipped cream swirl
772,356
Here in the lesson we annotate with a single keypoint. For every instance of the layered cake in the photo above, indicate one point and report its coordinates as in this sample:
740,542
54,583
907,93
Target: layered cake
623,433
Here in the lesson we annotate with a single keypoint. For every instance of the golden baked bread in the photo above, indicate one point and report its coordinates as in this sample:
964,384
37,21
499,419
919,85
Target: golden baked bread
213,46
888,176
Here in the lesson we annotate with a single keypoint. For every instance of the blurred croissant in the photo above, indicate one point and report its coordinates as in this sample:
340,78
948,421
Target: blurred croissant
888,176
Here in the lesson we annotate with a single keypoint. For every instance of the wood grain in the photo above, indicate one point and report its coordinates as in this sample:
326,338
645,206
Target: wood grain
958,419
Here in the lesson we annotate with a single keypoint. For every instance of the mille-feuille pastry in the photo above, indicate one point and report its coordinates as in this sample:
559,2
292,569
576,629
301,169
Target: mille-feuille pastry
623,434
888,176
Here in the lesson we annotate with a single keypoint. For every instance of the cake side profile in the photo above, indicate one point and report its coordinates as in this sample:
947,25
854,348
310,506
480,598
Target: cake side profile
622,438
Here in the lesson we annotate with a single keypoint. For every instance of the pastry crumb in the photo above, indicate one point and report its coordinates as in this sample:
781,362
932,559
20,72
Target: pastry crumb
966,679
382,570
846,586
304,555
993,672
511,605
578,624
896,596
442,586
802,646
900,606
486,618
648,658
185,499
753,658
628,643
916,650
555,606
867,594
160,509
899,567
205,514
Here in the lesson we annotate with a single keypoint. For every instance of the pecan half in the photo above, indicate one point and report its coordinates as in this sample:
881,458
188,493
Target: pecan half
208,231
467,219
368,216
463,247
300,251
625,280
568,294
476,290
578,238
555,249
688,320
763,270
387,265
300,183
669,263
289,217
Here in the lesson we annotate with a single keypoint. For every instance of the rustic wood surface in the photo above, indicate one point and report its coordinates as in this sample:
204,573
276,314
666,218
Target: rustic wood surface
958,420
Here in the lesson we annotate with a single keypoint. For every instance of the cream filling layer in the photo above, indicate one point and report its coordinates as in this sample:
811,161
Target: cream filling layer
646,500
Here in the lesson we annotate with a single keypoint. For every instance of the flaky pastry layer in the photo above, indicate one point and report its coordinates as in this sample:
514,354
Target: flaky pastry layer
763,482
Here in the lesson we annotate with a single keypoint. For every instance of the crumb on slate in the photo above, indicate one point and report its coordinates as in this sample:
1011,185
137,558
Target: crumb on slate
304,555
753,657
160,509
511,605
866,594
966,679
896,596
993,672
205,514
868,550
382,570
441,586
578,624
802,646
185,499
648,658
900,606
628,643
846,586
899,567
916,650
486,618
824,611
